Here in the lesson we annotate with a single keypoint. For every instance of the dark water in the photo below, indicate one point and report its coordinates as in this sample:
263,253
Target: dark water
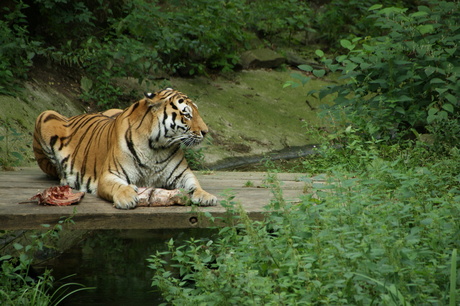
114,261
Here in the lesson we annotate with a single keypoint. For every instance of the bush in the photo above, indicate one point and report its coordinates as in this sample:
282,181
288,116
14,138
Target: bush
386,233
190,36
277,20
19,283
16,48
149,39
404,81
341,19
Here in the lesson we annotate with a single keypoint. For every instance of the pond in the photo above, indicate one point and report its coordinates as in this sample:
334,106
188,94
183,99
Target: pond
114,262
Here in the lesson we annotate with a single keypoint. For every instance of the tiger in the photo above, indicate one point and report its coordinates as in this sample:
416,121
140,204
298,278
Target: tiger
111,153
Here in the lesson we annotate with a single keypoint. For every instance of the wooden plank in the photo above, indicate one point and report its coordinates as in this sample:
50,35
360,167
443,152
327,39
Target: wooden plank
94,213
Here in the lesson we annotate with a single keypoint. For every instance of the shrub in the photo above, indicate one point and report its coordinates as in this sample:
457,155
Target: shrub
386,233
277,20
342,19
192,36
404,81
16,48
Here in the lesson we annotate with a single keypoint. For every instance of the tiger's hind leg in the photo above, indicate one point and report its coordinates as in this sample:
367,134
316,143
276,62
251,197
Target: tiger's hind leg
49,127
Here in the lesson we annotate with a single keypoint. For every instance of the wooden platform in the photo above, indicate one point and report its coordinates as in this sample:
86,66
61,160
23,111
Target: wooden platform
94,213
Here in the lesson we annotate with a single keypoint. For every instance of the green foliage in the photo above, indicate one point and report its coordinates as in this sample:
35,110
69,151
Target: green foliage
63,16
405,80
16,286
148,39
344,19
110,39
11,152
16,48
278,20
200,34
195,157
385,233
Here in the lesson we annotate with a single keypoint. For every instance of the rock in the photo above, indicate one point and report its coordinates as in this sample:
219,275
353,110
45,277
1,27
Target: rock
294,59
261,58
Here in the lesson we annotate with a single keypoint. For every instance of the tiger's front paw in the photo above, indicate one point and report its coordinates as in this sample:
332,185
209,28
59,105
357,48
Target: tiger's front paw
126,197
203,198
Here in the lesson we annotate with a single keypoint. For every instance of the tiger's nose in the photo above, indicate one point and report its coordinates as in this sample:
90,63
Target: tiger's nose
204,132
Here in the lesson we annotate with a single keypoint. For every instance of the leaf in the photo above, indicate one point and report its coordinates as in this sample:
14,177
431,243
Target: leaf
303,79
419,14
437,81
425,28
6,257
450,51
441,90
375,7
347,44
429,70
305,68
442,115
319,53
451,98
17,155
448,107
432,111
291,84
341,58
319,73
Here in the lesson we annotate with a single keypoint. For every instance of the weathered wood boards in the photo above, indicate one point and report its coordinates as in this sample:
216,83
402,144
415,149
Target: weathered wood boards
94,213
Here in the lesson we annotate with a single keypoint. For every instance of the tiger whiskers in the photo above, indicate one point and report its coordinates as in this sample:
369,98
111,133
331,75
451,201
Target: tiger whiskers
186,140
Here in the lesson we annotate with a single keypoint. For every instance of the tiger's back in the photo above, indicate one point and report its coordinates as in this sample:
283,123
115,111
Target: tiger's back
72,149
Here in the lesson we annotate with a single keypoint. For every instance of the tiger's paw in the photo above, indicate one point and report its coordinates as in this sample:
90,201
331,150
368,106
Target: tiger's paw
203,198
126,197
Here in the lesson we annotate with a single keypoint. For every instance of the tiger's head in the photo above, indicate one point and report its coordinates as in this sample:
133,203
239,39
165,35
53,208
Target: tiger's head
179,121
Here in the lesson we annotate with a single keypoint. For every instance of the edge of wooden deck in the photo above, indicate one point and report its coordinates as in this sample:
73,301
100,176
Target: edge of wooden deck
94,213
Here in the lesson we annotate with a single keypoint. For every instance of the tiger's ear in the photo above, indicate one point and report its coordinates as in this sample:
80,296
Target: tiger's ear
149,95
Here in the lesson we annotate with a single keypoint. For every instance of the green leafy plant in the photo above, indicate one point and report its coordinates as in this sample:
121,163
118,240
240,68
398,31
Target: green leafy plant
11,153
277,20
18,285
404,81
195,157
201,34
17,49
382,234
345,19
